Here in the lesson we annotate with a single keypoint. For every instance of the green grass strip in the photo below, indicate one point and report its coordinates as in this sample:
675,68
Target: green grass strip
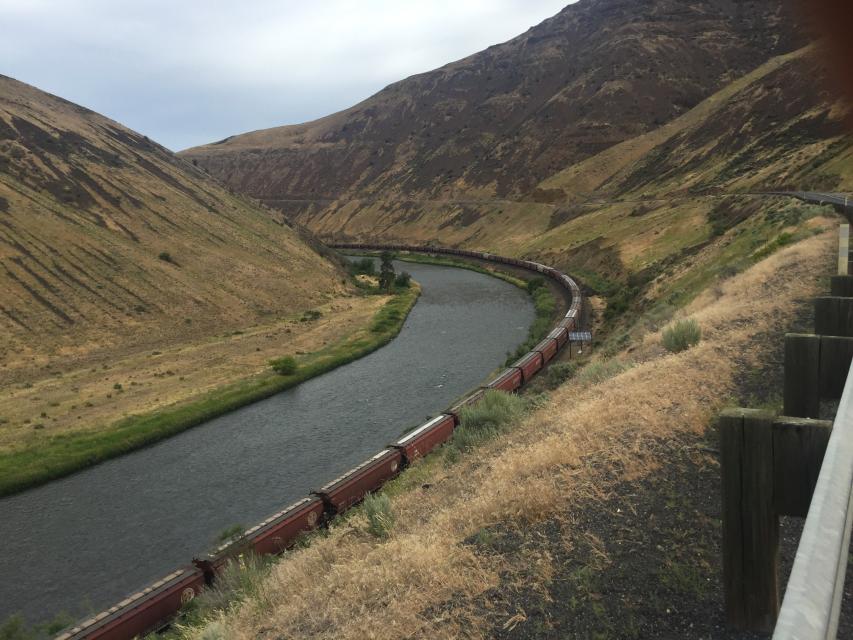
543,300
64,454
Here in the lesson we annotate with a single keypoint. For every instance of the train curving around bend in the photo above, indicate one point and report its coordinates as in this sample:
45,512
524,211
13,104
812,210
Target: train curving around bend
153,607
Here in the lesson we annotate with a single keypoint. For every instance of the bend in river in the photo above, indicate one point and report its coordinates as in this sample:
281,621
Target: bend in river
82,543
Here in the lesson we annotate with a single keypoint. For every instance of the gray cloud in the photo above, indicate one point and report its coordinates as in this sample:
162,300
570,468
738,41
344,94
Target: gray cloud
193,71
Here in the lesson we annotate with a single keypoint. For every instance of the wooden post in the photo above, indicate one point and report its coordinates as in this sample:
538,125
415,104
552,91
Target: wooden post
833,316
844,250
750,522
836,354
802,376
842,286
799,445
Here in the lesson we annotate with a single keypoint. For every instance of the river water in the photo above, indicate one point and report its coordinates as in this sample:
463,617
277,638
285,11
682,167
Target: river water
81,544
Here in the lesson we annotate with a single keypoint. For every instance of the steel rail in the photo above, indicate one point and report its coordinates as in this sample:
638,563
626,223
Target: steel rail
812,603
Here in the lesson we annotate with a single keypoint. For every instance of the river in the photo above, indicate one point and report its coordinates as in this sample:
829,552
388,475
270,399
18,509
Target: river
80,544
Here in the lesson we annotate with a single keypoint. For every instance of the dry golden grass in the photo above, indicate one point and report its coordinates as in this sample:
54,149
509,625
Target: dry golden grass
36,403
351,586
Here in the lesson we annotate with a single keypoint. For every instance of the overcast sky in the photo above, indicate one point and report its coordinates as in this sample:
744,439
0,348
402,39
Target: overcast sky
187,72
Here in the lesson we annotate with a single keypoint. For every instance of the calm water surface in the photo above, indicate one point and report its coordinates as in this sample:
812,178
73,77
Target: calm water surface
82,543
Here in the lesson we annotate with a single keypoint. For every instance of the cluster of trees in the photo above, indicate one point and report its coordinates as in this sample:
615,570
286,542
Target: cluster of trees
388,278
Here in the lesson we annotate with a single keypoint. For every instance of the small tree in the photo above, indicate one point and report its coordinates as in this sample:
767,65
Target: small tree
286,366
386,271
404,280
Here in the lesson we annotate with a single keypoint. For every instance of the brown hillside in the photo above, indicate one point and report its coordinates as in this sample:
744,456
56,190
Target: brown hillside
499,122
107,238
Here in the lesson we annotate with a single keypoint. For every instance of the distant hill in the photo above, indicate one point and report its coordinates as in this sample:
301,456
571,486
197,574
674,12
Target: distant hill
501,121
106,237
602,140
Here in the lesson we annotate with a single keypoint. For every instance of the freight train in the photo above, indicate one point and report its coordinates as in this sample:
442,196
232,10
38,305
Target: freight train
152,607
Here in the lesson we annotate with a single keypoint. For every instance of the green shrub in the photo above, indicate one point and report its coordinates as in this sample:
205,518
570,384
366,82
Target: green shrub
682,335
240,579
559,373
534,284
286,366
166,257
14,628
485,420
403,280
380,518
598,372
363,267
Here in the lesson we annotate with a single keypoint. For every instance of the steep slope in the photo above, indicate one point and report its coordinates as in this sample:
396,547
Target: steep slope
497,123
107,238
651,200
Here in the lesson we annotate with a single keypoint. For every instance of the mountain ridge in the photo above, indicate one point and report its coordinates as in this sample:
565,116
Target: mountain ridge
488,126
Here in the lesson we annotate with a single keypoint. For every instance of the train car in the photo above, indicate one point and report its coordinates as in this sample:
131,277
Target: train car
469,401
425,438
530,365
510,380
142,612
280,532
548,349
350,489
568,324
561,335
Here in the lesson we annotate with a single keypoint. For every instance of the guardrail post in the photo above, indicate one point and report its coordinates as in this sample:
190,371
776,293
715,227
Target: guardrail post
833,316
799,445
836,354
802,376
750,522
842,286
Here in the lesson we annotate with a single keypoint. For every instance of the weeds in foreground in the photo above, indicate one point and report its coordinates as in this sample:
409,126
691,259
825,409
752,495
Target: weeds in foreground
682,335
598,372
241,579
15,628
559,373
380,518
484,421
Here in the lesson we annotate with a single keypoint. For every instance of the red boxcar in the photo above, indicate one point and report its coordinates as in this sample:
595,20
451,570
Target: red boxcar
561,335
279,532
424,439
508,381
568,324
548,348
350,489
471,400
530,365
142,612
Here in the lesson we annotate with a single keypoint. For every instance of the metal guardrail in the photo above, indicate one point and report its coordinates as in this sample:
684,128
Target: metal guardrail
812,603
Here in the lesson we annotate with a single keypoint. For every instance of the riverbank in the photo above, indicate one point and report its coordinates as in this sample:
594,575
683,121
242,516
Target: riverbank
320,341
549,309
595,516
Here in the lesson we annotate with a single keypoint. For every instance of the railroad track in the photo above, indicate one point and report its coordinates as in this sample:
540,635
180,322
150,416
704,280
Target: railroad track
151,608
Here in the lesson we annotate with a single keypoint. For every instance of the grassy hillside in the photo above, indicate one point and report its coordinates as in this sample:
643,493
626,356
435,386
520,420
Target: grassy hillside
647,203
107,239
595,514
133,285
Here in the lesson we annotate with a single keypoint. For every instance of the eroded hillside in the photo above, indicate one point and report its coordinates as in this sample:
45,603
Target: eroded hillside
107,239
497,123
